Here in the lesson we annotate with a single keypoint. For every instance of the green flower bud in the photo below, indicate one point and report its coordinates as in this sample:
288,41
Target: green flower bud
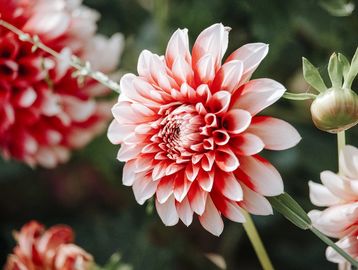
335,110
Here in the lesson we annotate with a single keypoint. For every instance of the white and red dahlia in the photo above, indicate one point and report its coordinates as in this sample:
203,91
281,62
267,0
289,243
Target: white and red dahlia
190,134
339,193
52,249
44,113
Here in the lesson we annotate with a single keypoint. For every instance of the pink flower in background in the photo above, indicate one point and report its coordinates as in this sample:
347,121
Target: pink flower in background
44,113
190,134
339,193
52,249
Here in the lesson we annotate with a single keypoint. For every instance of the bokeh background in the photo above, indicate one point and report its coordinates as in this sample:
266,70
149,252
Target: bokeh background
87,194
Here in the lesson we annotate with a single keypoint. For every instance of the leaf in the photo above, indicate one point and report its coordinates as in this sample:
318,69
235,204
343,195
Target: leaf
335,71
353,70
312,76
289,208
345,65
338,8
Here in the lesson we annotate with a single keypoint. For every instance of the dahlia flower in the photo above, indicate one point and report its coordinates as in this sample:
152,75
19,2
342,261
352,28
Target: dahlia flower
44,113
52,249
339,193
190,134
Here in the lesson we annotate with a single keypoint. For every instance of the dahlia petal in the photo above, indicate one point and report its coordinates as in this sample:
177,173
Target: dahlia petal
129,173
227,185
340,187
117,133
197,198
228,208
335,220
257,94
263,176
214,41
275,133
221,137
51,24
181,187
167,211
321,196
211,218
165,189
54,237
182,71
207,161
219,102
77,109
206,180
192,171
178,46
247,144
143,187
226,159
46,157
255,203
159,170
348,160
185,212
205,69
228,76
236,121
127,152
251,55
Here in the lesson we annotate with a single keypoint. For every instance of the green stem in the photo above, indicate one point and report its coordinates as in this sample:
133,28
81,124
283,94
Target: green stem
299,96
341,140
256,242
334,246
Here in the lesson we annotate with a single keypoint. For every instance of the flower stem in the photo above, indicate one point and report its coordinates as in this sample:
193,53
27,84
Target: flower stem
256,242
74,61
341,139
334,246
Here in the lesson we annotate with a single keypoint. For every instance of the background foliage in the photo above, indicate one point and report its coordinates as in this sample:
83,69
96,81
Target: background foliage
87,193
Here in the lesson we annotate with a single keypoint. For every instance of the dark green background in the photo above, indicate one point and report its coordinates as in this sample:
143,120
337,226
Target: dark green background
87,193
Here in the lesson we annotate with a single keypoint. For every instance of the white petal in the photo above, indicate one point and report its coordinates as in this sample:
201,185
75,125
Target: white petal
321,196
275,133
266,179
144,187
257,94
255,203
211,218
185,212
251,55
349,161
167,211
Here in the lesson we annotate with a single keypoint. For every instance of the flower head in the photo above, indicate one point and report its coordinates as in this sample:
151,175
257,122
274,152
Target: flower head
52,249
44,113
190,134
339,193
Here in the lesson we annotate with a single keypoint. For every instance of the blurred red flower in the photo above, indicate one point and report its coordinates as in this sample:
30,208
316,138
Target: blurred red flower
190,134
52,249
44,113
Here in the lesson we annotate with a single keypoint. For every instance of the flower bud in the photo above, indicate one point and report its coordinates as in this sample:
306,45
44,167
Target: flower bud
335,110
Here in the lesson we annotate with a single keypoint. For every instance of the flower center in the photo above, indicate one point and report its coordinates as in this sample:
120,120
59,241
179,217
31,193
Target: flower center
178,130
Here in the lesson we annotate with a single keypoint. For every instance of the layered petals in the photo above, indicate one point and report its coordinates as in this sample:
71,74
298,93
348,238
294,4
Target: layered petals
189,133
339,193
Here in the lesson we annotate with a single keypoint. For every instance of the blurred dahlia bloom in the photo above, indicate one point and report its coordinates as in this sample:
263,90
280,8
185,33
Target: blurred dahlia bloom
44,113
190,134
52,249
339,193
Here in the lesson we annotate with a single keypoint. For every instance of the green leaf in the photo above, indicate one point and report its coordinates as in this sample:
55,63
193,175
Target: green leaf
353,70
289,208
335,71
339,8
298,96
345,65
312,76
